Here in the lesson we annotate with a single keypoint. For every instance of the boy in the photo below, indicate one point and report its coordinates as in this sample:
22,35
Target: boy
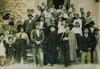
85,47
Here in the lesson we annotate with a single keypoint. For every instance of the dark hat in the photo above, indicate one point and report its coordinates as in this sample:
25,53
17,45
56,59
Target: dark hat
37,23
92,22
30,15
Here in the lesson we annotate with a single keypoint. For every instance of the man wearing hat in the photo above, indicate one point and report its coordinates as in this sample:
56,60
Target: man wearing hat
29,24
37,38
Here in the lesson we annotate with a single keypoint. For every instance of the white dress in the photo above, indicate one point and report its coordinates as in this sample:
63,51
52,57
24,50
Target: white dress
2,49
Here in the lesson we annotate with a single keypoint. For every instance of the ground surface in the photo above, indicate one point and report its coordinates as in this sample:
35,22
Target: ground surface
32,66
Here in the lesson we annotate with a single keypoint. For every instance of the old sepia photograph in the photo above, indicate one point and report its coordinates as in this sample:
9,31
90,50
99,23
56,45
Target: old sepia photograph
49,34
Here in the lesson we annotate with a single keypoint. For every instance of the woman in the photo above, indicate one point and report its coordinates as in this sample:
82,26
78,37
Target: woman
2,48
22,41
78,33
69,46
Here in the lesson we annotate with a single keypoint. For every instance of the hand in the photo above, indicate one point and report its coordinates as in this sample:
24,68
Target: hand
89,49
57,48
38,42
80,51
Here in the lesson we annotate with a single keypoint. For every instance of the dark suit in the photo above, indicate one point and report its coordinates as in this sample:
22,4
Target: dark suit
29,26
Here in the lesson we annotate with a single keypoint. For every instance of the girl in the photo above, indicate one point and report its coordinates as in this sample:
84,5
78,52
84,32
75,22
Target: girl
2,49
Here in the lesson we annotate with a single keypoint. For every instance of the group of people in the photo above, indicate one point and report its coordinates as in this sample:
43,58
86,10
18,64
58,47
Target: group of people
54,36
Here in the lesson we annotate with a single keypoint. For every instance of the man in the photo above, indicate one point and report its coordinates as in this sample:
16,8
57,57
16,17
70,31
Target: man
11,30
37,37
43,5
43,25
88,18
85,47
51,46
69,47
29,24
72,8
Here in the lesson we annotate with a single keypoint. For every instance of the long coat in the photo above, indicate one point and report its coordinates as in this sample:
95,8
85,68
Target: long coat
52,44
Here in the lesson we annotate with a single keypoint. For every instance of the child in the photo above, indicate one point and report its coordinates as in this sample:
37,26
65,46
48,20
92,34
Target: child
2,49
85,47
10,48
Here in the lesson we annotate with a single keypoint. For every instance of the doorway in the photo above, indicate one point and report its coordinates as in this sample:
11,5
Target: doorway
57,3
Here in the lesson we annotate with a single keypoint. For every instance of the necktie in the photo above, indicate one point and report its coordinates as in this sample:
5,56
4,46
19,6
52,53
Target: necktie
20,35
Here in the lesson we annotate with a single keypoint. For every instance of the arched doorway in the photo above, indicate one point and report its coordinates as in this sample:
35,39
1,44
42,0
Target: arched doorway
58,2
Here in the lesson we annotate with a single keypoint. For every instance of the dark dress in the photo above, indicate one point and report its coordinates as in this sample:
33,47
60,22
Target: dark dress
10,50
65,50
51,52
78,38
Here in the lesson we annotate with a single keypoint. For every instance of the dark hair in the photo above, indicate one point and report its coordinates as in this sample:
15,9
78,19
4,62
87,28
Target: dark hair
68,26
81,8
37,23
82,13
96,29
77,14
10,38
88,12
19,21
69,13
21,28
52,20
39,7
12,18
41,17
77,23
30,15
85,29
2,34
92,22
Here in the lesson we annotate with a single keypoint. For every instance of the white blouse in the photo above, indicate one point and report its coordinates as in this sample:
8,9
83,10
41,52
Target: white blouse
23,36
77,30
78,20
61,29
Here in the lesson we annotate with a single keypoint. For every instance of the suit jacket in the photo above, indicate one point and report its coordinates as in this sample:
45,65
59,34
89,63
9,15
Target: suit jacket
85,43
28,26
35,37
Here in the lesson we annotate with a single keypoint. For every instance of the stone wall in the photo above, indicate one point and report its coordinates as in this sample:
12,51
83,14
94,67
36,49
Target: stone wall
19,7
